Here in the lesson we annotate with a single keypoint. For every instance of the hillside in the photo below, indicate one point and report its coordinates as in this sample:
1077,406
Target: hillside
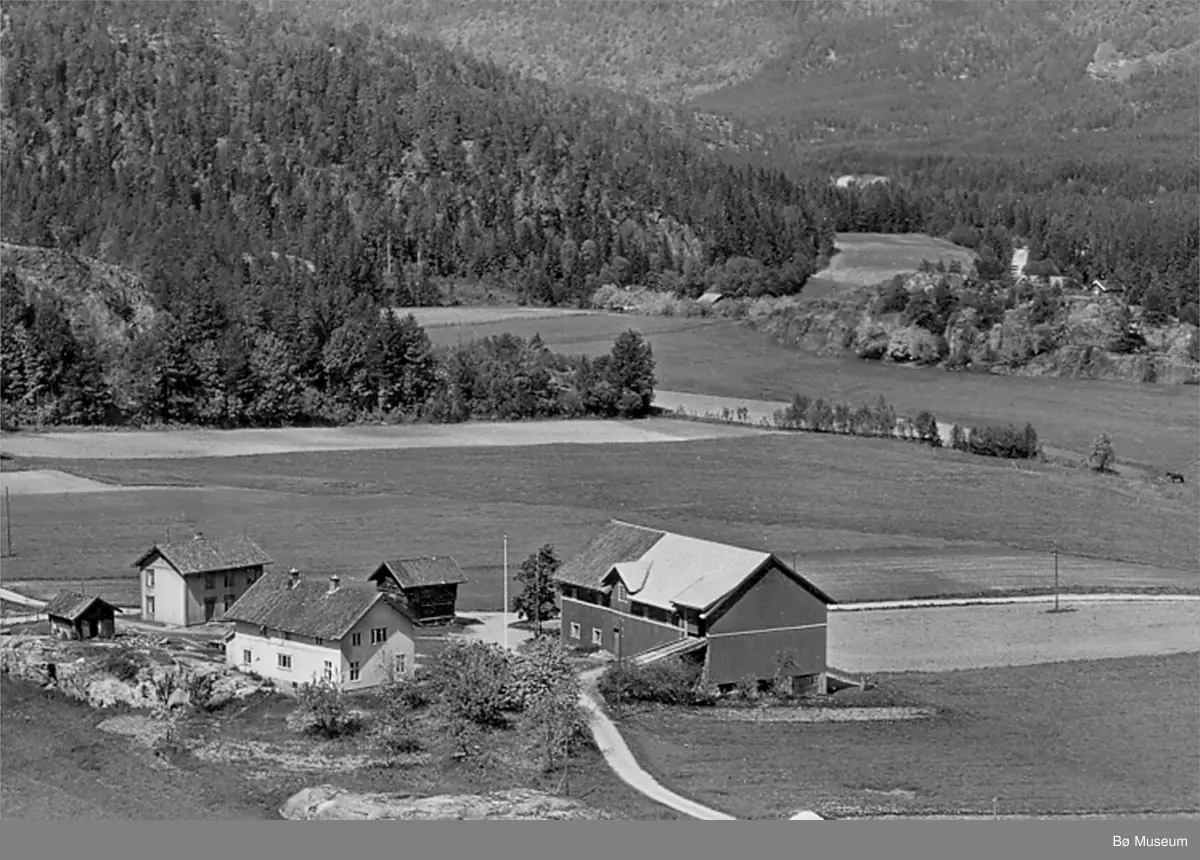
1071,125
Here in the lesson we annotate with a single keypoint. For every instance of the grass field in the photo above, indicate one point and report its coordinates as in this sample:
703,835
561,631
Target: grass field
866,259
244,763
1149,424
1113,736
806,494
975,637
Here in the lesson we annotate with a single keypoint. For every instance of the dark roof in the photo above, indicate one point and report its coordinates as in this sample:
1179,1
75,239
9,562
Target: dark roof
207,555
416,572
616,542
72,605
308,608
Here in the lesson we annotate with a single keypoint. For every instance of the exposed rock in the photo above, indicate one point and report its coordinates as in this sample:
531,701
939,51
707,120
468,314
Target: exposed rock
330,803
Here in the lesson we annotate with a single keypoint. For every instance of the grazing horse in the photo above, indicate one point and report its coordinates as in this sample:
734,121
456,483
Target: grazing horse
1175,477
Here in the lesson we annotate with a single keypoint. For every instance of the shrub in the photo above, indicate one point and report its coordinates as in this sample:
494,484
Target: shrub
199,687
472,680
123,665
927,429
324,709
1103,455
668,682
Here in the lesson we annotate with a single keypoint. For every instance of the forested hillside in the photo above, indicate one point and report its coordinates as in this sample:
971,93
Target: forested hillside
272,180
1071,125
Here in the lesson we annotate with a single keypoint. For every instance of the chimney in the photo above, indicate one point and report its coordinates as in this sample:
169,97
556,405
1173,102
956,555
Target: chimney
335,582
294,578
198,536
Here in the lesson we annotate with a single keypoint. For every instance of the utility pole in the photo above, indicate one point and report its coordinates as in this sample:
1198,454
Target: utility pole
504,617
8,520
1056,579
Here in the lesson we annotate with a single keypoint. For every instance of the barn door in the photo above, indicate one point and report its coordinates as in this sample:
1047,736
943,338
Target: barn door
210,608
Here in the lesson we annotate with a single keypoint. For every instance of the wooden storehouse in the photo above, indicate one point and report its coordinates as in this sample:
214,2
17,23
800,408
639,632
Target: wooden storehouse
427,586
646,594
79,616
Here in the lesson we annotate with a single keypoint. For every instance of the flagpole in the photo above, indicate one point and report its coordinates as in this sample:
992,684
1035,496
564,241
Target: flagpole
504,617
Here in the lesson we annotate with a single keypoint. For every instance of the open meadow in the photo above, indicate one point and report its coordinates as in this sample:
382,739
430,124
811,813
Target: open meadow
962,517
866,259
1154,425
1034,740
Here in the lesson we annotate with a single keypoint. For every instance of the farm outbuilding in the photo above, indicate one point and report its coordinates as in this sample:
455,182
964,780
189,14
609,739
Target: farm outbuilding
647,594
80,616
427,586
711,299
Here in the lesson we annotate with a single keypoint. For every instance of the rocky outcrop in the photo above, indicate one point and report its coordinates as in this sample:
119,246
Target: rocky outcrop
152,678
330,803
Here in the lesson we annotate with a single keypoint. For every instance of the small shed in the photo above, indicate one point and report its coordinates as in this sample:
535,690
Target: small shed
710,299
78,616
428,586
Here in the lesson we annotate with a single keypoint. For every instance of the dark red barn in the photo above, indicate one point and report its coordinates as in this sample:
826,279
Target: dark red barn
427,586
645,594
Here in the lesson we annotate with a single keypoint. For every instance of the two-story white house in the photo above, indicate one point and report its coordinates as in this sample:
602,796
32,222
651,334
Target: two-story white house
296,631
196,581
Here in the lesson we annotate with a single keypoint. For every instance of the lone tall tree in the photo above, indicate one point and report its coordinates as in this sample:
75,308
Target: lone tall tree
1102,456
630,371
536,601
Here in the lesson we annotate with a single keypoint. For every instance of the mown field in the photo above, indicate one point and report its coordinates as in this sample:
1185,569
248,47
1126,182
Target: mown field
866,259
1149,424
244,762
801,494
1109,736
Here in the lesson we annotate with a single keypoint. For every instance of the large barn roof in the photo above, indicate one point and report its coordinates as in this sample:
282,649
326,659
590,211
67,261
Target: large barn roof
668,570
207,555
416,572
305,607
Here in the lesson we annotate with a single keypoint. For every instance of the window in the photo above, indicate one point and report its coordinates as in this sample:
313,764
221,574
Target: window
317,640
210,582
378,635
285,661
355,639
251,577
622,596
402,663
149,607
287,637
150,578
574,630
353,671
230,580
328,671
247,657
229,601
597,636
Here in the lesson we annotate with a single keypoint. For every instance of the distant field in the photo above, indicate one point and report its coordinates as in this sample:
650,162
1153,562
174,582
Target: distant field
871,258
805,494
975,637
439,317
172,444
1112,736
1149,424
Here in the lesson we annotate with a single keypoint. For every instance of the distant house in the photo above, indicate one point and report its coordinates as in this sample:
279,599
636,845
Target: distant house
79,616
711,299
1100,288
198,580
647,594
427,586
296,631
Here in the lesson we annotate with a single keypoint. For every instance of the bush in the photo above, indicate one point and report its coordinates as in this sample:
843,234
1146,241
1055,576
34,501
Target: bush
668,682
123,665
473,682
1103,455
927,429
324,709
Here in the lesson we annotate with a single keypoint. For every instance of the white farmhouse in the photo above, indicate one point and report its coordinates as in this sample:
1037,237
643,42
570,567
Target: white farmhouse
295,631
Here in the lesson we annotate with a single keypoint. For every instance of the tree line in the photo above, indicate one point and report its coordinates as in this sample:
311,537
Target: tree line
197,370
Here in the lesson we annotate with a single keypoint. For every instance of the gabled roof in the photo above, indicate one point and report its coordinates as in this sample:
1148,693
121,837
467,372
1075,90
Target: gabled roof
670,571
72,605
417,572
615,543
206,555
306,608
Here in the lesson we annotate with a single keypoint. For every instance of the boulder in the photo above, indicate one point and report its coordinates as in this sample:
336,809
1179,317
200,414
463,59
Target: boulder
330,803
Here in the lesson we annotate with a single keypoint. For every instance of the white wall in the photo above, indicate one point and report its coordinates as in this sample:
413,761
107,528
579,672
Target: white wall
169,593
376,662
